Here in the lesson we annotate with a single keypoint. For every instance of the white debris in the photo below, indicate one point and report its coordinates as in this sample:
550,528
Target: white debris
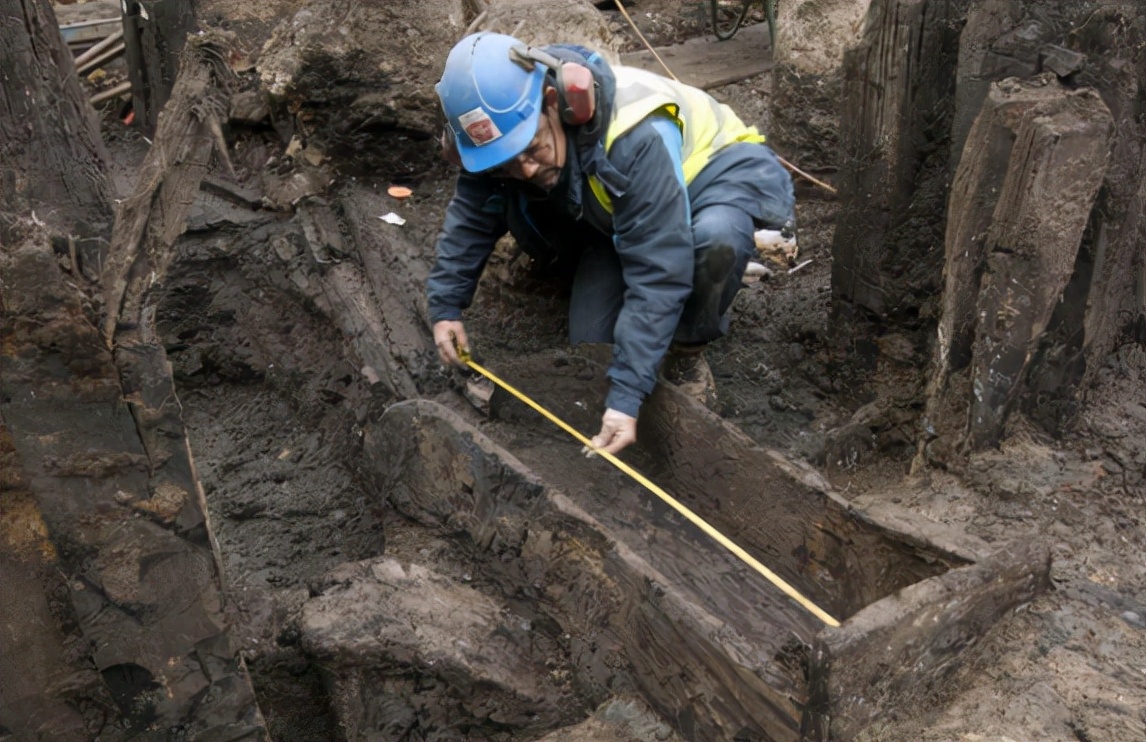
757,269
777,245
798,267
392,218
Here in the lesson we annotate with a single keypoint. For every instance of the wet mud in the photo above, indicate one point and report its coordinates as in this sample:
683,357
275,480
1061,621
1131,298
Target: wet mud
399,566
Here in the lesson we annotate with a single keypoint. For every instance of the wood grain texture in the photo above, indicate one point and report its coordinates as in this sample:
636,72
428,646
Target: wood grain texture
1020,201
704,63
650,603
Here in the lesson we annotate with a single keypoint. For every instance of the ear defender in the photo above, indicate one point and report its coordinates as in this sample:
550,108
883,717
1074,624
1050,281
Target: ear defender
575,91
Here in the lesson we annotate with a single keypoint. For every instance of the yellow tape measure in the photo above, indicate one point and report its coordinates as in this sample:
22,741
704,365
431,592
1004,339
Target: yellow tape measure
720,538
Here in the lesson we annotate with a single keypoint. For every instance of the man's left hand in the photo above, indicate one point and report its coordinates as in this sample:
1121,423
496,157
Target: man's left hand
618,430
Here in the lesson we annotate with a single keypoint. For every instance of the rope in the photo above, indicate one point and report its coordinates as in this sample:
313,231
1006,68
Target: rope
791,168
644,41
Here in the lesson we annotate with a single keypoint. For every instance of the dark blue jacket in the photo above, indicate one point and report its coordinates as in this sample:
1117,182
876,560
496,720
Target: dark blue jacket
650,228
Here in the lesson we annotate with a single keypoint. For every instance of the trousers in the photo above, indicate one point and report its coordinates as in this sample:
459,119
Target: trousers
743,189
723,244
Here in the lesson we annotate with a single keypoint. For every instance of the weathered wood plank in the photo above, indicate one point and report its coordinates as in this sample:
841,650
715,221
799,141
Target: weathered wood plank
1105,302
783,514
706,63
155,215
716,470
343,290
140,596
974,197
54,157
898,85
396,273
1021,198
898,652
628,624
635,588
1058,162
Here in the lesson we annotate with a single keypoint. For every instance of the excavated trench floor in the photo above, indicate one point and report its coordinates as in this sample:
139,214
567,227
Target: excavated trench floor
421,571
415,570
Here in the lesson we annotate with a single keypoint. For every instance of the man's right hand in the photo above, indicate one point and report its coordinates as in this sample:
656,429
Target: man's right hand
449,335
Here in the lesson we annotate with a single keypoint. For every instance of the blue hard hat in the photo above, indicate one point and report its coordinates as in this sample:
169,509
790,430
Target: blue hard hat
492,103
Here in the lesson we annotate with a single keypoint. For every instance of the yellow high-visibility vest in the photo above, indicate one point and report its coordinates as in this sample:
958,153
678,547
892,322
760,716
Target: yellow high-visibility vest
706,125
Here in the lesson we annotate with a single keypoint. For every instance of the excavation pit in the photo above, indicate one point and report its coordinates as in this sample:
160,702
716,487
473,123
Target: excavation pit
578,585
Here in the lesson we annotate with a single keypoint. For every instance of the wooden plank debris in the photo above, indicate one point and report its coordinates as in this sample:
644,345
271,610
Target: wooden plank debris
1020,203
642,595
706,63
97,50
83,24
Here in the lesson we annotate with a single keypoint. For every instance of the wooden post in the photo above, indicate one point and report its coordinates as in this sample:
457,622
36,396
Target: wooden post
53,157
1057,163
1104,305
1020,202
898,94
915,219
154,33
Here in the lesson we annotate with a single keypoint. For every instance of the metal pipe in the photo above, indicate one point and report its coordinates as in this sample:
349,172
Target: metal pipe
100,60
85,24
87,56
103,95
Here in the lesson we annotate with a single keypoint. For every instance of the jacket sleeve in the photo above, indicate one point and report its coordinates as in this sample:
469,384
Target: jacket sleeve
475,220
653,237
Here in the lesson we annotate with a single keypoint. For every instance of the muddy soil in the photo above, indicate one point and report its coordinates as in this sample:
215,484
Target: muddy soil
273,412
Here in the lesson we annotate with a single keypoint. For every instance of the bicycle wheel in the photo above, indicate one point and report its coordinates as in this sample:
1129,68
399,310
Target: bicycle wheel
727,15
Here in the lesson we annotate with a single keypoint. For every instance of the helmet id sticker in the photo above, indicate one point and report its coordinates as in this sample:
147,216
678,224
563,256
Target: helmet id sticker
479,127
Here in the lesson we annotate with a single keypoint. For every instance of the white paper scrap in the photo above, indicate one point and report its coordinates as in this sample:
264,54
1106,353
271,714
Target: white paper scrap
393,218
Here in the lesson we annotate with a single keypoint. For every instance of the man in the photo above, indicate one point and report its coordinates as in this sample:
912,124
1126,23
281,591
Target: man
646,191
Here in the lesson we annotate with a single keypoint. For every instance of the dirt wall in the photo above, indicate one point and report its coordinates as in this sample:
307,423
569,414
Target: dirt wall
807,79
